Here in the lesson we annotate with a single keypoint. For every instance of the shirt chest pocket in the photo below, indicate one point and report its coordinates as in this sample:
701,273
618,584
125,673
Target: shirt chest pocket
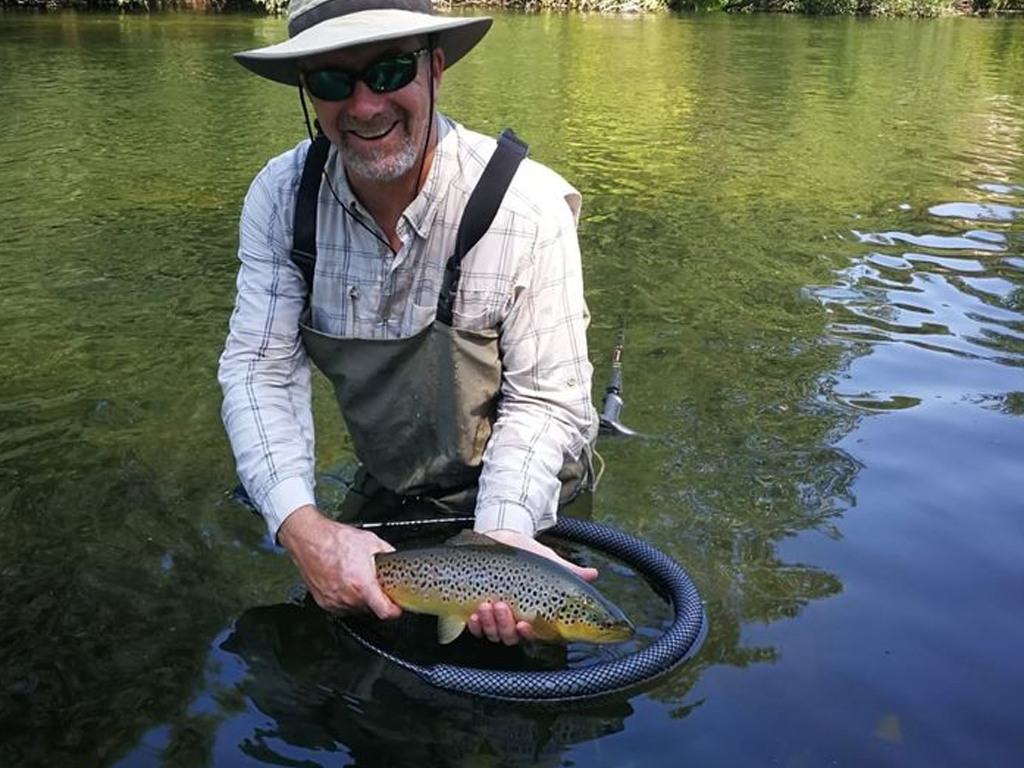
421,315
480,308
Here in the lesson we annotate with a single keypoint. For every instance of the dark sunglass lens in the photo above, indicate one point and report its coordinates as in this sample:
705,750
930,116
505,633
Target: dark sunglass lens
381,77
330,84
391,74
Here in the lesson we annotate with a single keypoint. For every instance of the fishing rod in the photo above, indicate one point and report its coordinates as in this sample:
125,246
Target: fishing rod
240,495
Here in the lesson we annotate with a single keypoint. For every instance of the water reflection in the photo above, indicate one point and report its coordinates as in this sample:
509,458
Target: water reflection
102,598
707,193
309,689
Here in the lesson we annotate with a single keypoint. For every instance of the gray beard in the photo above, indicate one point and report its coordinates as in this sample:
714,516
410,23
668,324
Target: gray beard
380,166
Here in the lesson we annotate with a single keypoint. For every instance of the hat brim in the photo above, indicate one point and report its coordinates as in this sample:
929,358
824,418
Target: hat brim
281,62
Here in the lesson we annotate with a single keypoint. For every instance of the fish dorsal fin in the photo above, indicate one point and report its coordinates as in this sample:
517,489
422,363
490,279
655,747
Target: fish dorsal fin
467,537
449,628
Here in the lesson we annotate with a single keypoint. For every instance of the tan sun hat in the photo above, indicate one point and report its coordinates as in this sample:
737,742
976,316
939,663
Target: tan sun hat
320,26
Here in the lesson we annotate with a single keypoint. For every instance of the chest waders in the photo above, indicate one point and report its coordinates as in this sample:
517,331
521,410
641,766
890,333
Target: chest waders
420,410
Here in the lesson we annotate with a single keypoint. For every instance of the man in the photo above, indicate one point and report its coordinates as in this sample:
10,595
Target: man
486,405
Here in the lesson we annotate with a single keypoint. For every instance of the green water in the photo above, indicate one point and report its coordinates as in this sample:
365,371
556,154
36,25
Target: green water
812,232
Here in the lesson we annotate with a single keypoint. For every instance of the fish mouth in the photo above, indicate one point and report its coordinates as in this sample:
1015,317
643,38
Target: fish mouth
617,631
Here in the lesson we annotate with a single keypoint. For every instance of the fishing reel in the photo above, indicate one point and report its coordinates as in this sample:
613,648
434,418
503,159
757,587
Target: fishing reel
612,402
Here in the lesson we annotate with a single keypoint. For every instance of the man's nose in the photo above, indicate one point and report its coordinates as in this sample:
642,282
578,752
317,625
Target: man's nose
364,103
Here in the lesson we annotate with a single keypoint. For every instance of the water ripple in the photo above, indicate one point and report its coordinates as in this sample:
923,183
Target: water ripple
974,240
950,284
976,211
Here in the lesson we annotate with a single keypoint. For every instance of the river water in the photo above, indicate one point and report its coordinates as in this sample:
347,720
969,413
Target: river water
810,232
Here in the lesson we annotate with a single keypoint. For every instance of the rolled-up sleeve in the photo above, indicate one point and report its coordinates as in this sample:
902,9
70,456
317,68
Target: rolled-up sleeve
264,372
545,412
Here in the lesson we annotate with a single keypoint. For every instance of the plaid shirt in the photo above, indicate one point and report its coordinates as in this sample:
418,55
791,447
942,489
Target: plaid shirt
524,277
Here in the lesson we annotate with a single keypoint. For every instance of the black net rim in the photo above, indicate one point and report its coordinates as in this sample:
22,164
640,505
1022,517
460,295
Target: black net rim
680,641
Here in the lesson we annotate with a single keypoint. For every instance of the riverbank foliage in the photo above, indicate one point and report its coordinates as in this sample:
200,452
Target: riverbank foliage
905,8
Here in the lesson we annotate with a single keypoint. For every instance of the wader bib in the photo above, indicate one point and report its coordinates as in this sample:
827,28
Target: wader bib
420,410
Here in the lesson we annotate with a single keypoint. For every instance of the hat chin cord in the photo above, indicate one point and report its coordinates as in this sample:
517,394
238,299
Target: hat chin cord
431,117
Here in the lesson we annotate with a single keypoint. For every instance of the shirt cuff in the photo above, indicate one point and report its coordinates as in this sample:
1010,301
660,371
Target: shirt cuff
283,499
504,516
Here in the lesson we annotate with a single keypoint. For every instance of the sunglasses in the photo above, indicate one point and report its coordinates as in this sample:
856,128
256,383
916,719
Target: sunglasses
382,76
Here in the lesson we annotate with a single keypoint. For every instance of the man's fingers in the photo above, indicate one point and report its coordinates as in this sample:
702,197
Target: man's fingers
336,562
525,630
496,622
506,624
585,573
488,622
530,544
383,546
382,606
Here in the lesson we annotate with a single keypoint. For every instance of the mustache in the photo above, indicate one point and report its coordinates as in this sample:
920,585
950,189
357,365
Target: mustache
372,127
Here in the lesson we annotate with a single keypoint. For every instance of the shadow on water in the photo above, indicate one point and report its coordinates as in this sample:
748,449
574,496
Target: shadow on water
740,450
101,612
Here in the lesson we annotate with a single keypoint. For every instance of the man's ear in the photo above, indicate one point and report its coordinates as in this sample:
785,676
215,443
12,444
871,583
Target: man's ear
437,62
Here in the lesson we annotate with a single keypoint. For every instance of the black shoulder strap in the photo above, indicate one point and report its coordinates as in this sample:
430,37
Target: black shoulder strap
476,219
304,218
480,211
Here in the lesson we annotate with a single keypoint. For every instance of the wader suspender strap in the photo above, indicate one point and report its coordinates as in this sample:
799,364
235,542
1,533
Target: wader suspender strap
476,219
480,211
304,223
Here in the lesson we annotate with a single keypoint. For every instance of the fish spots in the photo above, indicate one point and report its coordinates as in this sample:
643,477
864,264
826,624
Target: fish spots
466,576
451,581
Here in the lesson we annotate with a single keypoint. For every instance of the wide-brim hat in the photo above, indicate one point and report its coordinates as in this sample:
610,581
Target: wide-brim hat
322,26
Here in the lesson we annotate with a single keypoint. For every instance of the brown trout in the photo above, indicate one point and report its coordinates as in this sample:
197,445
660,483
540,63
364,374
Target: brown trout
450,581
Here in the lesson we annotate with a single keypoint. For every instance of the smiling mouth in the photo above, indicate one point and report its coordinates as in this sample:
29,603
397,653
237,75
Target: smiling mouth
374,136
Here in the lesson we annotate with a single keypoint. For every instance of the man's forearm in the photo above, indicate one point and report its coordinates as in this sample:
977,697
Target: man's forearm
264,372
545,414
519,484
271,434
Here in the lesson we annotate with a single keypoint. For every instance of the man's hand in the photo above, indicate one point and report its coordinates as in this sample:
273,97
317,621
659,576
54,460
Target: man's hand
495,621
336,562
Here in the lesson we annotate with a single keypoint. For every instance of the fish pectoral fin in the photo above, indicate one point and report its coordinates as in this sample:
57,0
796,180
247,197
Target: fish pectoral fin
449,628
544,629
